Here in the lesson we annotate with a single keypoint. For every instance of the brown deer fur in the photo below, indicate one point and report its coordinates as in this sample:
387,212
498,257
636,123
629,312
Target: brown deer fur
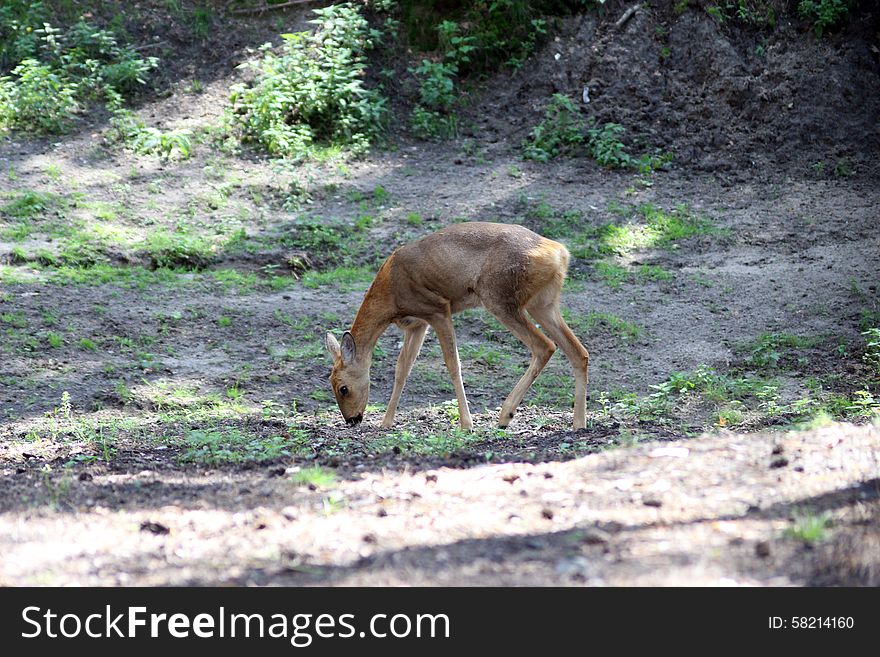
507,269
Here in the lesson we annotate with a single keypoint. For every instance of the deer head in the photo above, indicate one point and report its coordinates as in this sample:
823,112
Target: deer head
349,378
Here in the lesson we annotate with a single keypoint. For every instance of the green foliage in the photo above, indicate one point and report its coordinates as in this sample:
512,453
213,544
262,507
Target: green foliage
809,527
314,477
872,349
501,32
313,91
229,445
771,349
606,148
178,250
136,136
558,133
825,14
760,13
30,205
433,117
36,98
563,130
660,228
61,70
18,40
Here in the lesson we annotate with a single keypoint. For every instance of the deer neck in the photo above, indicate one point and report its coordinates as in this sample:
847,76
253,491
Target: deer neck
374,316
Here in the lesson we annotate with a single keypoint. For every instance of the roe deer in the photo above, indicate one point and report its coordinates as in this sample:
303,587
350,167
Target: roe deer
507,269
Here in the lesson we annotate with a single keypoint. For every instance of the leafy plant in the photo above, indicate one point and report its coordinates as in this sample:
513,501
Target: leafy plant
61,70
37,98
809,527
313,91
606,148
872,349
824,13
227,445
558,133
315,477
172,250
770,349
136,136
433,117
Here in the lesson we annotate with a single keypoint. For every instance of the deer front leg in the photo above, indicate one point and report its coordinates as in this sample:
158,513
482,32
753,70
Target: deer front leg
442,325
413,337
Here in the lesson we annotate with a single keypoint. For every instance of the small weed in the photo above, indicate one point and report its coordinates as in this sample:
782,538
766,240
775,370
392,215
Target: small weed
809,527
775,349
314,477
229,445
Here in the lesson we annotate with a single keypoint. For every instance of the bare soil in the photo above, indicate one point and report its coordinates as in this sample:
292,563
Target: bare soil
795,250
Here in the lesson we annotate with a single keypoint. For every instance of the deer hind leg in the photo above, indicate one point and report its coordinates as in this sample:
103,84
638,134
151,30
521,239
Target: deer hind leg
413,337
442,325
538,343
550,319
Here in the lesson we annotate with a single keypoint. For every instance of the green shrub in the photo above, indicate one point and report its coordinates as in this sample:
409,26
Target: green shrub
433,117
563,130
872,349
501,32
824,13
61,70
136,136
313,92
37,98
18,41
606,148
558,133
178,250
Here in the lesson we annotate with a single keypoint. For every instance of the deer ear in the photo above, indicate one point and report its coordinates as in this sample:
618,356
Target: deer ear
331,345
349,348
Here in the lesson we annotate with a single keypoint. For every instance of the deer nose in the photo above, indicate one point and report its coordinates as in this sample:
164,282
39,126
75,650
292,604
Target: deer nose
352,421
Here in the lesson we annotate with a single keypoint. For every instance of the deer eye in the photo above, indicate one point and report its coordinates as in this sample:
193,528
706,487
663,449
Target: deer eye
343,390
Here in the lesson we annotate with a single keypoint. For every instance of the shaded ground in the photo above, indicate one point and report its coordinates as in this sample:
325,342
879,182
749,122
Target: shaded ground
197,442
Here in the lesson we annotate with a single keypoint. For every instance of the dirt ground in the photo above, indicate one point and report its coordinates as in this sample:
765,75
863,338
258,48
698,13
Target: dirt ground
181,431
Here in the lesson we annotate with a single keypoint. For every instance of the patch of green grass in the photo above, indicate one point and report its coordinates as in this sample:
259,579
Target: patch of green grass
178,251
809,527
342,277
611,274
101,274
659,228
483,353
31,204
615,275
230,445
552,389
626,331
230,279
87,345
775,349
14,319
653,273
314,477
440,443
